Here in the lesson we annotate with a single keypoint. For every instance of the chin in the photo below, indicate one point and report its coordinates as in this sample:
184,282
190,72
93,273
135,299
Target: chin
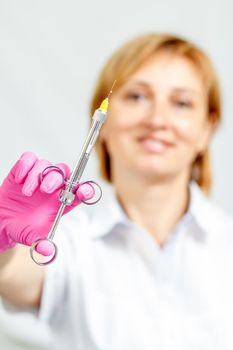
153,172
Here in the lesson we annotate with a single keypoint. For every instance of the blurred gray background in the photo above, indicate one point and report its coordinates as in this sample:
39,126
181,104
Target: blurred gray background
51,52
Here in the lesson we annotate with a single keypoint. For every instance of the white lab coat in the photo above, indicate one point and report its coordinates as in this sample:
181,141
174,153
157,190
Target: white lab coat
113,288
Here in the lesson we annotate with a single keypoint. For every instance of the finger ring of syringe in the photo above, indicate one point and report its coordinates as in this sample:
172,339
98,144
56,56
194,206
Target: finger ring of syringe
95,187
35,254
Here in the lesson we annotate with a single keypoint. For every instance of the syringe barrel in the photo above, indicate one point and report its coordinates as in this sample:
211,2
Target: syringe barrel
99,117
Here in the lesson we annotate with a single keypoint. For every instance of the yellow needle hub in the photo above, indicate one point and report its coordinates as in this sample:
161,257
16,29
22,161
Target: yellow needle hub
104,105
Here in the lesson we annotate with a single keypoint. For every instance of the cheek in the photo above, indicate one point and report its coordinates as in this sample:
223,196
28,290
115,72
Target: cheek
123,117
187,130
119,125
116,134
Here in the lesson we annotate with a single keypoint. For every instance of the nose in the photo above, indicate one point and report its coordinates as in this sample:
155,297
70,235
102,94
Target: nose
157,115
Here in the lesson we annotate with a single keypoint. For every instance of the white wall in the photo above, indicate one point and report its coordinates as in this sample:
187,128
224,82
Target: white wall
50,55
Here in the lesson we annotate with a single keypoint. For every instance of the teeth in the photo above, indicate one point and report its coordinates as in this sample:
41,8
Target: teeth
155,141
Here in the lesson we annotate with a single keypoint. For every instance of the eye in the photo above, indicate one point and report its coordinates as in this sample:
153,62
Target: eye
136,97
183,104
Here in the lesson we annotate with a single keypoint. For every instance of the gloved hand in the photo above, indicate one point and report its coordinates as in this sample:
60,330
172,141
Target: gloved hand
28,206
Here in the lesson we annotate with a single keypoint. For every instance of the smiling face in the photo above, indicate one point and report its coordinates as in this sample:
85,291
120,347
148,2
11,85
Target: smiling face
158,119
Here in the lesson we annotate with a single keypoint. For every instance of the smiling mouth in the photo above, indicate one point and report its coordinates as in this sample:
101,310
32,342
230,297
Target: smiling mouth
155,145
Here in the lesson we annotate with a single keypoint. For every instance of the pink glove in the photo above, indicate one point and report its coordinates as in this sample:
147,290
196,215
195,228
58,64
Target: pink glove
27,206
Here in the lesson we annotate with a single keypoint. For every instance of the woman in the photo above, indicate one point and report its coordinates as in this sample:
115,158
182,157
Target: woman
151,268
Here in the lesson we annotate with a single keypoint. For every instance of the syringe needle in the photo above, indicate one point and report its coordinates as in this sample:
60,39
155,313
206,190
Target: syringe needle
104,105
110,92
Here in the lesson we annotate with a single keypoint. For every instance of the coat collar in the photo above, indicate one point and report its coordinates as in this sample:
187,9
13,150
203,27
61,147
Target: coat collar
108,212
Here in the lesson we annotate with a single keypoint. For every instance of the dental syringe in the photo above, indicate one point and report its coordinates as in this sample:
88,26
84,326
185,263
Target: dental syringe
67,194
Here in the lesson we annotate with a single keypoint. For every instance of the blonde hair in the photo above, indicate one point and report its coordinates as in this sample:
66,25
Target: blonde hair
128,58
